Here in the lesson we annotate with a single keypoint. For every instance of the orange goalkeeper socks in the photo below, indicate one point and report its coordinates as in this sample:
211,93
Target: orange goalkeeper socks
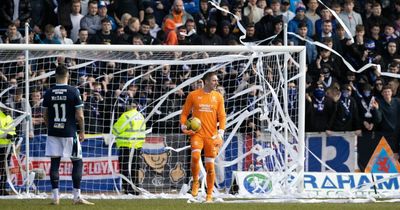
210,177
195,165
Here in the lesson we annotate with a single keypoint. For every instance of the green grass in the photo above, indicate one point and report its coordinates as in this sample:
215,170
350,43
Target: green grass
177,204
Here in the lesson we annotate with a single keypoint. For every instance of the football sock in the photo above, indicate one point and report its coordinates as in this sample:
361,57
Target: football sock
77,173
210,177
195,165
54,175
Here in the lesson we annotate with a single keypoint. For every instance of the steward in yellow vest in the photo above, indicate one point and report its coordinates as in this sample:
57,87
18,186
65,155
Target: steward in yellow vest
130,134
130,128
6,134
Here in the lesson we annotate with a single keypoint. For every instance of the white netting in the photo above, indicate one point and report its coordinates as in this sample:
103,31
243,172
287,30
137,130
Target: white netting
261,90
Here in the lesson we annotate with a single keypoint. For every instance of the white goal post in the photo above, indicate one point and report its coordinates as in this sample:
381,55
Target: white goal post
264,89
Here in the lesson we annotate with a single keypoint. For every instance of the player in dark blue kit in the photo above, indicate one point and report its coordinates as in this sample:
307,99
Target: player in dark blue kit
63,110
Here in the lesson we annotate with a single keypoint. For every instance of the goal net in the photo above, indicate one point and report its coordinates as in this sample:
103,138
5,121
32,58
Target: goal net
263,89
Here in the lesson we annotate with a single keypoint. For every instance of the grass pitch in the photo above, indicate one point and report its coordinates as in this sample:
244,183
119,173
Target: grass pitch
177,204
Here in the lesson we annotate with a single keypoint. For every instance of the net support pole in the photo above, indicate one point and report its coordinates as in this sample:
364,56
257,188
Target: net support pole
28,117
301,123
285,105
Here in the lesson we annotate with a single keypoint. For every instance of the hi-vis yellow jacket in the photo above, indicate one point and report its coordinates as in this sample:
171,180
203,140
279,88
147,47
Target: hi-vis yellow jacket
5,125
130,129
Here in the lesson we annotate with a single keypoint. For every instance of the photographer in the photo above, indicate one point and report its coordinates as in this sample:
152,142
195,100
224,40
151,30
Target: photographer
95,106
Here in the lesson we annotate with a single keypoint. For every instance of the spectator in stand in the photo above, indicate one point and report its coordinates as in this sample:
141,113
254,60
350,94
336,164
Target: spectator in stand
171,38
145,34
323,59
327,31
124,22
217,15
15,11
83,36
358,47
378,85
312,12
103,14
376,17
336,7
275,6
154,28
63,11
243,20
50,35
390,55
287,14
225,33
204,15
132,29
394,85
75,17
319,110
94,108
62,35
132,7
345,43
178,14
265,27
350,18
394,12
371,55
325,15
387,118
182,36
39,126
326,76
253,12
160,9
193,37
388,35
261,4
12,35
42,13
250,33
91,21
210,37
366,143
310,48
374,34
346,117
394,68
300,17
17,102
105,35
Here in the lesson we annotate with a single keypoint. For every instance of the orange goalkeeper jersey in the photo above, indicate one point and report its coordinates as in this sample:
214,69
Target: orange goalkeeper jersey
209,108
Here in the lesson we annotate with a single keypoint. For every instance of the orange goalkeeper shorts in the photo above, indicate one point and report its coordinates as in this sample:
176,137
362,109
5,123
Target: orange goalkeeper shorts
210,146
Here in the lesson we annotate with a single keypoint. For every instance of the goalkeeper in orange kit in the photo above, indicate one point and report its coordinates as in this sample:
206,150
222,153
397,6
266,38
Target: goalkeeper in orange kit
208,105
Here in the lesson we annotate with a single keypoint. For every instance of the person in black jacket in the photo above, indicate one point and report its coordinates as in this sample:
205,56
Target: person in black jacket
7,13
346,117
387,118
105,35
319,110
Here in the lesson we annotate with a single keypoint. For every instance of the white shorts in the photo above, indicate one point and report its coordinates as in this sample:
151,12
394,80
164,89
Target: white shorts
68,147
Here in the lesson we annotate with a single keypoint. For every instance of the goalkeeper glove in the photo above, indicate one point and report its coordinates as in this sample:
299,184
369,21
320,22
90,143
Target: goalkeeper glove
221,134
186,131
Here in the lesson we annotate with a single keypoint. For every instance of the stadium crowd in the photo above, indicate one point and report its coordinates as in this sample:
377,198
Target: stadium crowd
337,98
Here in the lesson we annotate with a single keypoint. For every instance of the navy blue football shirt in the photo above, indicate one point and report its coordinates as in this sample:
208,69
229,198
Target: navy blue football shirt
61,102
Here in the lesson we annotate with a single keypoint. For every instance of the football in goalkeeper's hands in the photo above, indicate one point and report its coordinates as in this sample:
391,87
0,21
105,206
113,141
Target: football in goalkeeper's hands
193,124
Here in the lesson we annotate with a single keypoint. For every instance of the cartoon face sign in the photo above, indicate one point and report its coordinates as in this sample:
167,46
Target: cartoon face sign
156,161
154,153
